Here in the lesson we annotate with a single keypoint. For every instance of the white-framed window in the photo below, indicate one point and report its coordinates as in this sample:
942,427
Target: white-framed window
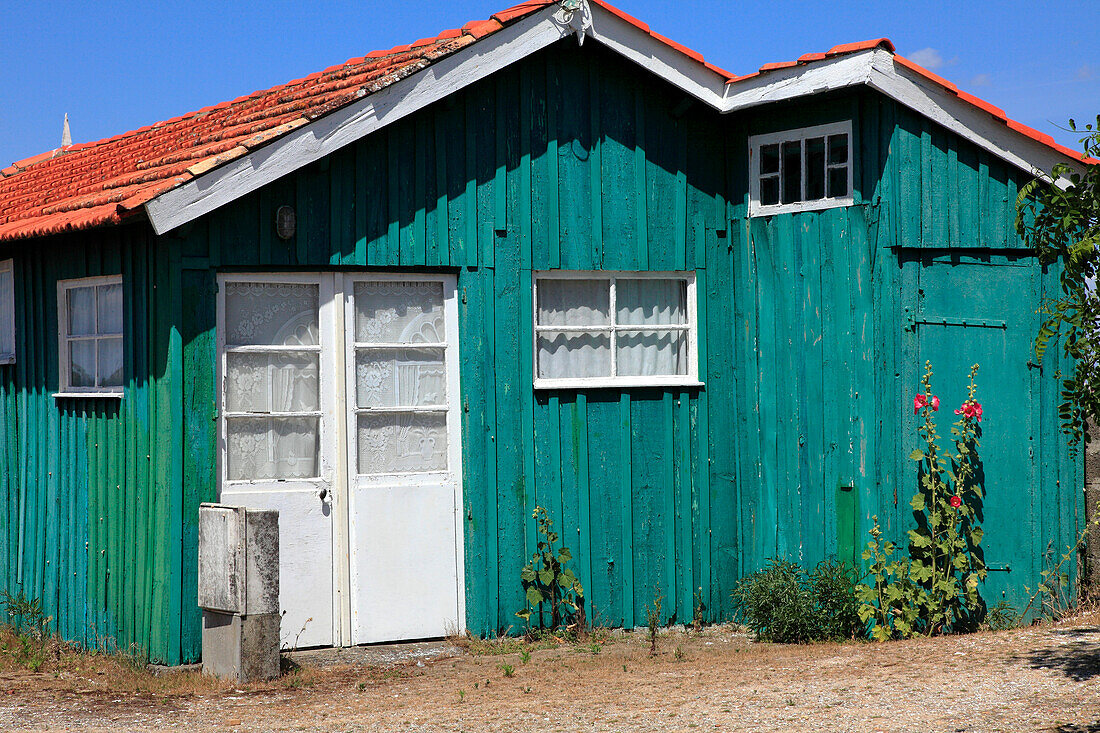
801,170
614,329
7,312
89,313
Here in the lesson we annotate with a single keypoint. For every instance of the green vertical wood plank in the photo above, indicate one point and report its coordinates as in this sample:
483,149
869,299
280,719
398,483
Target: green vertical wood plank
476,498
671,581
391,252
470,173
418,232
584,496
685,506
439,253
626,504
500,191
641,235
595,167
553,122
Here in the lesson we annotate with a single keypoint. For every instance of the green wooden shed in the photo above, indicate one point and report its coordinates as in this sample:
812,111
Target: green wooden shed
548,259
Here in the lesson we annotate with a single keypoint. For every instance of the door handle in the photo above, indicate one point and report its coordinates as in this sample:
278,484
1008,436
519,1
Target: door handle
322,494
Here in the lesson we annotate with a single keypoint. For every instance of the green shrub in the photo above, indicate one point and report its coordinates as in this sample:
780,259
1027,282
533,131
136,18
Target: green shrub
833,585
781,603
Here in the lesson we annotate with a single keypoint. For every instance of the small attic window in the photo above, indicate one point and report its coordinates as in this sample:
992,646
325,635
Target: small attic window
7,312
801,170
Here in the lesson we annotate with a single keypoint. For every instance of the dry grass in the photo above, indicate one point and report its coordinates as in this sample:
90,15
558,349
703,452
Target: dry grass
1038,678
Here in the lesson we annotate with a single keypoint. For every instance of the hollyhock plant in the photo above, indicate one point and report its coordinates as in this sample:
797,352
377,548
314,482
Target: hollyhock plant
935,589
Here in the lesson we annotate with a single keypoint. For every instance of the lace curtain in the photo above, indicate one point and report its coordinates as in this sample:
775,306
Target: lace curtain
647,333
391,438
264,389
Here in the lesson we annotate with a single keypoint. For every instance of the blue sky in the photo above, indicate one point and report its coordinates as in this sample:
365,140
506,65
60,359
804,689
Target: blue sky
118,66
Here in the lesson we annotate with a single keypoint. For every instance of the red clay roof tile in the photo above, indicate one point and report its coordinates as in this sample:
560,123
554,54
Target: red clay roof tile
103,182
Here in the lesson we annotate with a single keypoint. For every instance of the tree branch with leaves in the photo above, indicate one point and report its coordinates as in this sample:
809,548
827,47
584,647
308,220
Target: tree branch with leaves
1058,215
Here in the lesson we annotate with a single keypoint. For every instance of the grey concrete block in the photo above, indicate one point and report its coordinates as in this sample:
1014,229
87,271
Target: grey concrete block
238,559
242,648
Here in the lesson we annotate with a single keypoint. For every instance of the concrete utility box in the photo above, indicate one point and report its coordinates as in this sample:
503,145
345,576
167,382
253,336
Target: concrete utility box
239,591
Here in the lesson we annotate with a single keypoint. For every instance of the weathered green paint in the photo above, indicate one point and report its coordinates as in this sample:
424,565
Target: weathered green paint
571,159
96,523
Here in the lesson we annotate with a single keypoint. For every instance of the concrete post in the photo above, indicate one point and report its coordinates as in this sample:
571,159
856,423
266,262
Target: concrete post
239,592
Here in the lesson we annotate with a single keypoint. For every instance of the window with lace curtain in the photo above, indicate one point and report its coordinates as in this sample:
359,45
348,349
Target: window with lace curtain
598,329
7,312
272,385
89,312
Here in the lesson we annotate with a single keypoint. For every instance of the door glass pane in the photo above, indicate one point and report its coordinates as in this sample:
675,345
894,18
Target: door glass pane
574,302
650,302
271,448
110,362
280,382
82,363
270,314
109,304
81,311
574,355
400,378
392,442
645,353
399,312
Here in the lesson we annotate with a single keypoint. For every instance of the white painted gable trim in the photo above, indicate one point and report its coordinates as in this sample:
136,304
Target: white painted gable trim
344,126
875,68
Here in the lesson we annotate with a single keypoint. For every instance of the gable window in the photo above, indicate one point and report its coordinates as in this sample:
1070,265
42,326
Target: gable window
89,312
7,312
801,170
598,329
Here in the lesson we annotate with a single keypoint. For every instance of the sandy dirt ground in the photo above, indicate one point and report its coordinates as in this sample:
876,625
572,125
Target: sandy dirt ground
1035,679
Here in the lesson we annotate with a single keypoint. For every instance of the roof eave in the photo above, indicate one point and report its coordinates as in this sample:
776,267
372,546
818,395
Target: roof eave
875,67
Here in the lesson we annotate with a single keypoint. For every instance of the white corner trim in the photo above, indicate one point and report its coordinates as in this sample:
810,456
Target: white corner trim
327,134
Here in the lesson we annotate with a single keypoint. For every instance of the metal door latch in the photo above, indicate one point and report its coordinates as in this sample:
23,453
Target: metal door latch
322,493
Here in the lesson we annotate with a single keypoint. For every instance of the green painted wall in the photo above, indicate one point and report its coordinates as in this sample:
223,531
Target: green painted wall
575,159
94,510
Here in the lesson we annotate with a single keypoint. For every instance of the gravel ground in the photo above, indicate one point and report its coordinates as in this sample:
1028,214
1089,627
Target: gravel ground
1034,679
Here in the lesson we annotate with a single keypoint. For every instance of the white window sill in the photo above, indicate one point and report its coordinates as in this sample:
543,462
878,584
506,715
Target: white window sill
757,210
615,383
87,395
6,359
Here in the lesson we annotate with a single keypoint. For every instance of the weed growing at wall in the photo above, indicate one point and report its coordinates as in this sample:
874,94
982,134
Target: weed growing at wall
935,589
548,583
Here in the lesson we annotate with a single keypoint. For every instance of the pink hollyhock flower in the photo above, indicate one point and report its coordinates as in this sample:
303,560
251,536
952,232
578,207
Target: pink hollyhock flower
935,403
918,402
955,502
970,409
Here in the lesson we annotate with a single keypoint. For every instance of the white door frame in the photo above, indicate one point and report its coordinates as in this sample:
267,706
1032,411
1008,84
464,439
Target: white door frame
338,452
453,412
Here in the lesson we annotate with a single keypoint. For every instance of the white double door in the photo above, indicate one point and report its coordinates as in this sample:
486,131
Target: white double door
339,407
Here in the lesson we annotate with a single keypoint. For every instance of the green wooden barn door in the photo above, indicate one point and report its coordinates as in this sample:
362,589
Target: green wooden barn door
960,311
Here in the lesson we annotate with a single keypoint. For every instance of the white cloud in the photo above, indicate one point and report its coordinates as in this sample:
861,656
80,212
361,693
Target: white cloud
981,80
929,58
